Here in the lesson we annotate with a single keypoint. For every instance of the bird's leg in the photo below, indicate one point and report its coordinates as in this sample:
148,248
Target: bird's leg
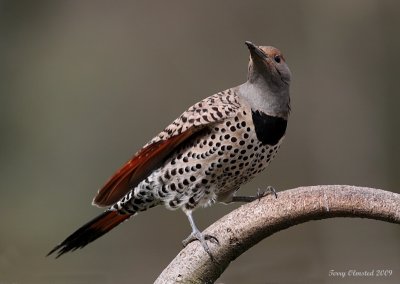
197,235
260,194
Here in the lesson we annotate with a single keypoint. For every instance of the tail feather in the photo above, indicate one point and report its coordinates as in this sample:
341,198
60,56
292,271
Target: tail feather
90,232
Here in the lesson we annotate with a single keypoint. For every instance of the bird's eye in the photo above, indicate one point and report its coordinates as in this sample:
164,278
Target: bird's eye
277,59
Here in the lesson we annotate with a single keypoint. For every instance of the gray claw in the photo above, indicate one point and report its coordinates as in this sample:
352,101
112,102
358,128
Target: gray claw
202,238
268,191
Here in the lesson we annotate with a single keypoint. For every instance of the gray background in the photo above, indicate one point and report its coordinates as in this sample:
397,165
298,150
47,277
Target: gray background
84,84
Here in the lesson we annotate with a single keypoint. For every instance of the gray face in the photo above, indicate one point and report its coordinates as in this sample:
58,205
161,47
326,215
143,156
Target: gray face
268,62
268,82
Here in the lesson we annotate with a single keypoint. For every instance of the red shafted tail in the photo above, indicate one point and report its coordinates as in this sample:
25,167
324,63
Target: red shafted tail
90,232
139,167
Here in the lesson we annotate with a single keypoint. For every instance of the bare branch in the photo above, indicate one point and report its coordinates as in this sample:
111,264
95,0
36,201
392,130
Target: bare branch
246,226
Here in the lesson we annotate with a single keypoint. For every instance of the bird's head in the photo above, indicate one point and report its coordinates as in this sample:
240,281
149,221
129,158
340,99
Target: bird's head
268,63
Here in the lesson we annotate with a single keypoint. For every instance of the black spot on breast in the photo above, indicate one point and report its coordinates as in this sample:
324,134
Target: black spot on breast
138,201
269,129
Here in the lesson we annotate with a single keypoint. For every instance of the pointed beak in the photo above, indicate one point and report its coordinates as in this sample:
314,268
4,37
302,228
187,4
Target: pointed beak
255,51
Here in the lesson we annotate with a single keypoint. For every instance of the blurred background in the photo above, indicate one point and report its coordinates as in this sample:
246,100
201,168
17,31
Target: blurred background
84,84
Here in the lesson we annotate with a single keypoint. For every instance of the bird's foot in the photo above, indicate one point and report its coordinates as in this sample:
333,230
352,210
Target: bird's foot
270,190
202,238
260,194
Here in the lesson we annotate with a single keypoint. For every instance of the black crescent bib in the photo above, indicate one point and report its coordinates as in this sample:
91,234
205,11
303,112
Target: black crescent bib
269,129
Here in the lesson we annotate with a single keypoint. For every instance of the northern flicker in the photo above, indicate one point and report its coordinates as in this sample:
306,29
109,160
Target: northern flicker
202,157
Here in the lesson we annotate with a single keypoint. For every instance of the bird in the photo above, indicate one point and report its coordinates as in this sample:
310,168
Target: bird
203,156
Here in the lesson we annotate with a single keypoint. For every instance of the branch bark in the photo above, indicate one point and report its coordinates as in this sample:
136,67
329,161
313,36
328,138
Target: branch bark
246,226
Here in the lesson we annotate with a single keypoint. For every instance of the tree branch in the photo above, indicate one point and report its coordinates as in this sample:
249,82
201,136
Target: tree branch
246,226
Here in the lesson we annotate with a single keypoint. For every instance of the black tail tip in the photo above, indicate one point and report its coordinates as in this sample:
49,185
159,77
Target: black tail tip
60,249
53,250
89,232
